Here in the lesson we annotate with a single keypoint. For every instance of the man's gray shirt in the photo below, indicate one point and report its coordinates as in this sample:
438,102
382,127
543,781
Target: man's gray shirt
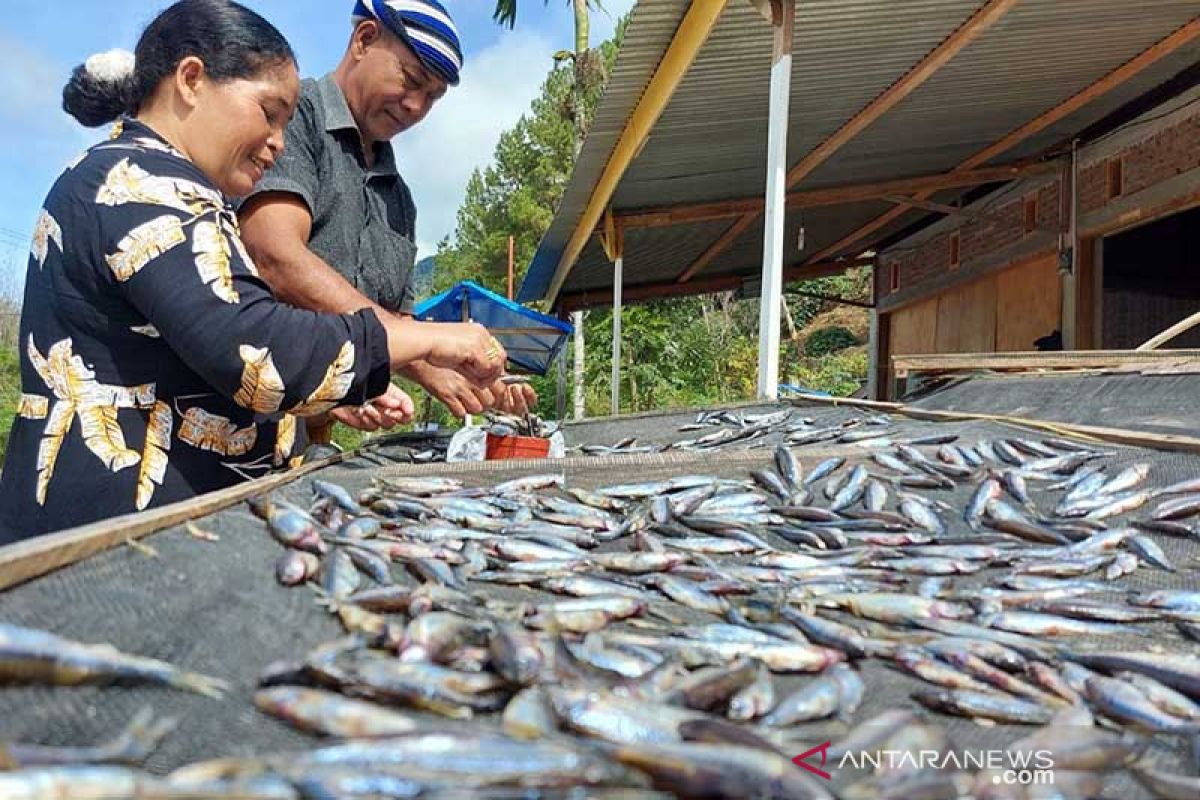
363,218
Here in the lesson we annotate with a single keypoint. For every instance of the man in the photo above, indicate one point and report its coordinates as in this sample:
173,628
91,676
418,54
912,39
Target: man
331,225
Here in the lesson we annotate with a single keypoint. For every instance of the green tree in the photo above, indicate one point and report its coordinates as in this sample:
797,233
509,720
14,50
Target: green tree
581,57
518,192
10,367
831,339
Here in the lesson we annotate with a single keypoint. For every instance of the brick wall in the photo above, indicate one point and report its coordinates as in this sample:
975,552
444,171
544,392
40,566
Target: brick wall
1160,156
1149,155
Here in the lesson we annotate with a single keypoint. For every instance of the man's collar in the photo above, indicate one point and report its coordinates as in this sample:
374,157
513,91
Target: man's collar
339,118
333,101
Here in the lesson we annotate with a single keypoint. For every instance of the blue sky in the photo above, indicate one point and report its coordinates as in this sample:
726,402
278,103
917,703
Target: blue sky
40,42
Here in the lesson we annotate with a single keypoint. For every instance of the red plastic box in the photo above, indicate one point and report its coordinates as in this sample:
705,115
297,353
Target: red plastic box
500,447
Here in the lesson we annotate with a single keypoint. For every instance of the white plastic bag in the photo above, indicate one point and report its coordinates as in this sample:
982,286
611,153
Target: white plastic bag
469,444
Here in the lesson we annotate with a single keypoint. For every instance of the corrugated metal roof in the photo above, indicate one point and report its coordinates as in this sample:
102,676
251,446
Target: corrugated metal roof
710,141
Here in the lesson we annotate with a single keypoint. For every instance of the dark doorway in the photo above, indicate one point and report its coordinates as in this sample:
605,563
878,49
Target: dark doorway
1151,281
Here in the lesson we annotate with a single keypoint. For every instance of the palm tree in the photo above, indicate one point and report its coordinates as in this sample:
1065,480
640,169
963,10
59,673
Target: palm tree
506,15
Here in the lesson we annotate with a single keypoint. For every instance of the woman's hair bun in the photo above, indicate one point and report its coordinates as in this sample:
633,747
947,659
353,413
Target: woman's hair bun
111,66
101,89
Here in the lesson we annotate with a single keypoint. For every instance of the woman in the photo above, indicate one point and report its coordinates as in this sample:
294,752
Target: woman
155,362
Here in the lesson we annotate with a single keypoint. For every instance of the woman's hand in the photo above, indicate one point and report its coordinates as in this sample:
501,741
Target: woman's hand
467,348
393,407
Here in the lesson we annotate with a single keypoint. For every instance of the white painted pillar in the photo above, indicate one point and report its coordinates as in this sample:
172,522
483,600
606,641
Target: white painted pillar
874,355
560,386
577,378
770,302
618,268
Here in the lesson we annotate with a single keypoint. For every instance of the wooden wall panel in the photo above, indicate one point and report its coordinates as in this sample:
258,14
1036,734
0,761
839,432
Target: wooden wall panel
1002,312
1028,304
912,330
966,318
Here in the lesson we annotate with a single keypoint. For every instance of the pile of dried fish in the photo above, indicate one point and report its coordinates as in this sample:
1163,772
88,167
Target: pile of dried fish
530,424
749,430
687,602
690,636
753,431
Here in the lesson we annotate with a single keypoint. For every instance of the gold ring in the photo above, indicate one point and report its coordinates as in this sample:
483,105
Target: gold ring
493,350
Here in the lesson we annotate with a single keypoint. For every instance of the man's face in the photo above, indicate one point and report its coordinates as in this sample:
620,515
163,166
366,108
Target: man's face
394,90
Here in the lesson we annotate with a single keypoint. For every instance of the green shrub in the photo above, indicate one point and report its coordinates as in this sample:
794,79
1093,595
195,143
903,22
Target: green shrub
840,374
825,341
10,394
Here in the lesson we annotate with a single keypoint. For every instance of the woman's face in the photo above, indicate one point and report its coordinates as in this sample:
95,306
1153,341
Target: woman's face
235,130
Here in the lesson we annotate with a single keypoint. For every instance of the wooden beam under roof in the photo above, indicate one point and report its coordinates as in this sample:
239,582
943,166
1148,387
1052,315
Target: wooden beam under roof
958,211
828,196
1099,88
925,69
716,248
631,295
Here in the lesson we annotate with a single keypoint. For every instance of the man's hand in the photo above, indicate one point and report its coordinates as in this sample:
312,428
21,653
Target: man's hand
462,397
450,388
393,407
517,398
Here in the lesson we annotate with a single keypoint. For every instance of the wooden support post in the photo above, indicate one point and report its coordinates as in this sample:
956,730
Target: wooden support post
1069,311
613,240
873,355
1091,293
775,200
1068,251
879,381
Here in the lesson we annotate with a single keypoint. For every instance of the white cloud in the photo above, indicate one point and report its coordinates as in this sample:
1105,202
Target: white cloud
436,158
30,93
25,77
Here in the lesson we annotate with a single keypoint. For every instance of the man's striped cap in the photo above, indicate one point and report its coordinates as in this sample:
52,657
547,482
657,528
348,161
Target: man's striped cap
425,26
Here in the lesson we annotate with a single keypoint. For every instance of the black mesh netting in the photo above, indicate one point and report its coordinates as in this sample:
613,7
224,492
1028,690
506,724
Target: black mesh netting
215,608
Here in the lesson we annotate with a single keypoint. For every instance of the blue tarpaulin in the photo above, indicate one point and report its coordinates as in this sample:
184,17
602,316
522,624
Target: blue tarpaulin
533,340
